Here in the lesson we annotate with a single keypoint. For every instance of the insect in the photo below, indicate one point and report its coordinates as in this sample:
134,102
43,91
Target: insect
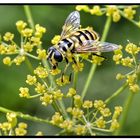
76,41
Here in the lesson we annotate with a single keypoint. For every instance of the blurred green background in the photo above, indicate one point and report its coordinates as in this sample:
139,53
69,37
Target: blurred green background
103,83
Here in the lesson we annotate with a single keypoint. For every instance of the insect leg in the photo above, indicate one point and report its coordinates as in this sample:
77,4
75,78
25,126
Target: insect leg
64,69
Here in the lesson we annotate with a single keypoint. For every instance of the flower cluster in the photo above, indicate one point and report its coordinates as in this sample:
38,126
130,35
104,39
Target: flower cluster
30,39
99,117
115,12
130,62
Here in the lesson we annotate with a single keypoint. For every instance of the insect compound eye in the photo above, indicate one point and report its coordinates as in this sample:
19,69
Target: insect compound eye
58,56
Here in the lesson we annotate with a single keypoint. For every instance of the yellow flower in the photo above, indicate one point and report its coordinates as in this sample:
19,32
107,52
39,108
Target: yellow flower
31,80
27,32
2,49
100,122
96,10
39,30
8,36
85,8
114,125
87,104
97,60
55,71
99,104
19,59
77,113
134,88
41,53
129,12
71,92
11,49
20,25
132,49
28,47
41,72
67,124
39,133
117,58
12,118
7,61
110,10
46,99
36,41
57,95
40,88
80,130
77,101
57,119
56,39
22,125
78,67
131,79
69,110
117,112
127,61
105,112
116,16
20,132
6,126
24,92
119,76
61,82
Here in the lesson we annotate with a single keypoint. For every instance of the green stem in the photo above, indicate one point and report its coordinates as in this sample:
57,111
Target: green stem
93,68
25,116
29,16
116,93
124,116
75,80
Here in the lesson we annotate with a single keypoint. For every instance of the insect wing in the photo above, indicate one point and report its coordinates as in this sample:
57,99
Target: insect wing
71,25
96,46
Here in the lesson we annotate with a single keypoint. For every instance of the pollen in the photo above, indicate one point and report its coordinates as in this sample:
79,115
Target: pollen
77,113
77,101
67,124
7,61
87,104
132,49
27,32
85,8
31,80
46,99
41,53
134,88
8,36
57,95
78,67
99,104
41,72
105,112
55,71
40,88
2,49
39,30
21,129
71,92
36,41
56,39
28,47
20,25
97,60
100,122
19,59
127,61
96,10
80,130
24,92
129,12
57,119
11,49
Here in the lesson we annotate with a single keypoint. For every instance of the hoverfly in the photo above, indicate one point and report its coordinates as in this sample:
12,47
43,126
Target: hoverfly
76,41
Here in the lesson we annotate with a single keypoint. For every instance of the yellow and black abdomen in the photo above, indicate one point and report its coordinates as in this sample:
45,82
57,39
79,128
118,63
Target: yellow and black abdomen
82,35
